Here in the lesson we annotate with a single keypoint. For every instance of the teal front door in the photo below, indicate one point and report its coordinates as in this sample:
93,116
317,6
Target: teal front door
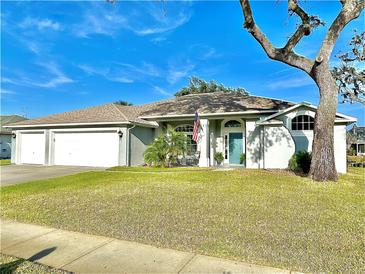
235,148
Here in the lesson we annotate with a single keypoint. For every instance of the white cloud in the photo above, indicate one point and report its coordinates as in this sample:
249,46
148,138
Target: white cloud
58,78
99,21
49,76
40,24
203,52
162,91
6,91
162,26
176,72
290,82
123,72
143,19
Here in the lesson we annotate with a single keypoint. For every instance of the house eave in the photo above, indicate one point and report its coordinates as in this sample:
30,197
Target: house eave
204,115
124,123
343,118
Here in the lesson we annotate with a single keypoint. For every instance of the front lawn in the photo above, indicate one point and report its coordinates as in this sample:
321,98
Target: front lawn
5,162
157,169
264,217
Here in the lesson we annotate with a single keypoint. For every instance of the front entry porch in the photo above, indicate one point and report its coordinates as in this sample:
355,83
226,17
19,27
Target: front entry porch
226,136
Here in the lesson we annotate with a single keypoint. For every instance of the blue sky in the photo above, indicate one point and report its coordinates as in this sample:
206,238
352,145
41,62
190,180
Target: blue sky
60,56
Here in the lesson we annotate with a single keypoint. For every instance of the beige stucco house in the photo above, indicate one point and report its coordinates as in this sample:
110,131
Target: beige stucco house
268,131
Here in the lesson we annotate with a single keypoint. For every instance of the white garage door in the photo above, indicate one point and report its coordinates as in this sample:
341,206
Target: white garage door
32,148
86,148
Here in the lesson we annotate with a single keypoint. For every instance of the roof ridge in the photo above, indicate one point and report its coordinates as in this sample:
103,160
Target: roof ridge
120,111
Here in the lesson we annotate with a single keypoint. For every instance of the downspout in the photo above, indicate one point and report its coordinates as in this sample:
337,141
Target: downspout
127,145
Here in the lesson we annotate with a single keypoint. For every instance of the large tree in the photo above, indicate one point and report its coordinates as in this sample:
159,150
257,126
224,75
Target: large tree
197,85
350,73
323,161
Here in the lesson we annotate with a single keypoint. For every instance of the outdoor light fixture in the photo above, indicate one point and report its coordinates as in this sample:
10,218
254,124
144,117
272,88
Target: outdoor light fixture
13,135
120,133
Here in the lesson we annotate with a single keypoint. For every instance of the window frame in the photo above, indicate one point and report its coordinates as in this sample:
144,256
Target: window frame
192,146
235,125
302,122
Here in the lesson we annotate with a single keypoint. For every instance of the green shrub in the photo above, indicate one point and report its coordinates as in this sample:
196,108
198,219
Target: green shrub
300,161
218,157
293,164
351,151
166,149
242,158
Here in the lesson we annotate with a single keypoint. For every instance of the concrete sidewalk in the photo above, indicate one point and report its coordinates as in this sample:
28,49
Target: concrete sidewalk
77,252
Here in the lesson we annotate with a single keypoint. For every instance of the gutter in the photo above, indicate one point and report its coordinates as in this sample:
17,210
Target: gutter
202,115
147,124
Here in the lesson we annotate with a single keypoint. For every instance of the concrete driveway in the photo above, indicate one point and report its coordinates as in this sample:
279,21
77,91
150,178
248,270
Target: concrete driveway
16,174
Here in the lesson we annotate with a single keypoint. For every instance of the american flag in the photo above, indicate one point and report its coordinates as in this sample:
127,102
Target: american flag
196,127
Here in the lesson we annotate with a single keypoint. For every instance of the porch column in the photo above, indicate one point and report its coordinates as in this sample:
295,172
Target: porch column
204,143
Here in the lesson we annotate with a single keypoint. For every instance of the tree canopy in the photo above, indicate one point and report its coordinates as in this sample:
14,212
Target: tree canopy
197,86
350,74
123,103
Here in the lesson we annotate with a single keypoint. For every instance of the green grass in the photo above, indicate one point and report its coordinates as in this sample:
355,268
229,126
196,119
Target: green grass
10,264
157,169
263,217
357,159
5,162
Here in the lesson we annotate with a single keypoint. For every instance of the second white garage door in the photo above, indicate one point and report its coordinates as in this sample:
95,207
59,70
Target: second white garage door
32,148
86,148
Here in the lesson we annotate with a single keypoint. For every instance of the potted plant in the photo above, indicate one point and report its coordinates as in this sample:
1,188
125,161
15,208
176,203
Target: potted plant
218,157
242,158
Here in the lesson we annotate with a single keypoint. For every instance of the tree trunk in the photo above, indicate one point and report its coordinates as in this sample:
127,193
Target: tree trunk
323,166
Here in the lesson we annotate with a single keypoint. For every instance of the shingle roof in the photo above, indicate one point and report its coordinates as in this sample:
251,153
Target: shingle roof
212,103
9,119
185,105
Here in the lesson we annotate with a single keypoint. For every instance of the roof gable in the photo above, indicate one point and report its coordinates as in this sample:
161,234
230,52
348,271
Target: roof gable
339,117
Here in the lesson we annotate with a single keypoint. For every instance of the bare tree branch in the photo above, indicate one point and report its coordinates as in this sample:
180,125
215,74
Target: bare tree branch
351,9
286,54
309,22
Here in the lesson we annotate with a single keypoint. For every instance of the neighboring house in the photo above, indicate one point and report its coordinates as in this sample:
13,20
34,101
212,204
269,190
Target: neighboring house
6,135
268,131
358,139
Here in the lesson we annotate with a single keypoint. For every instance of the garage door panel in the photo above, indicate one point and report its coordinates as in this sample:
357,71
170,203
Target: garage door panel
86,148
32,148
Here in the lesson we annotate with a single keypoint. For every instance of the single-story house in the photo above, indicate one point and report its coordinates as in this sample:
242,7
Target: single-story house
5,134
268,131
358,139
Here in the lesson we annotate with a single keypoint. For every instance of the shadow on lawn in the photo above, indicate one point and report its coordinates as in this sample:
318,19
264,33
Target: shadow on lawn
11,267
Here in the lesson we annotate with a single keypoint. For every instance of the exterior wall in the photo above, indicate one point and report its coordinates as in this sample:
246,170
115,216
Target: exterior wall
5,146
123,157
204,143
303,139
254,158
140,138
212,141
13,149
340,148
278,146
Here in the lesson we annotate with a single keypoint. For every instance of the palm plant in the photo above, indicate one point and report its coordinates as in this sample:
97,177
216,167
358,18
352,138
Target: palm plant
166,149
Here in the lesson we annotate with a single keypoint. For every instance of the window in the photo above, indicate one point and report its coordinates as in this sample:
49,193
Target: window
232,123
361,148
191,144
302,122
